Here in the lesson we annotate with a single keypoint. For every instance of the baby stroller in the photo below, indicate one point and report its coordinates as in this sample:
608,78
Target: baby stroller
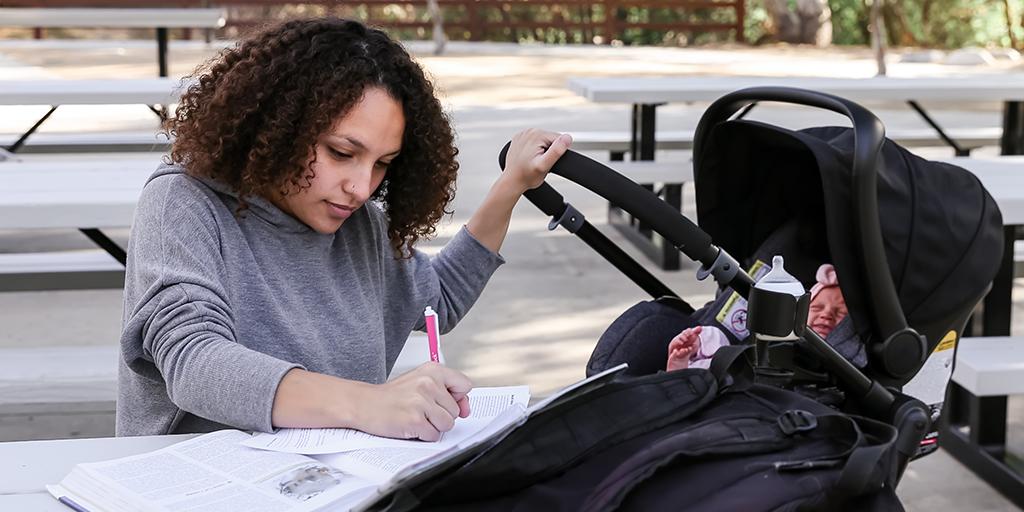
770,433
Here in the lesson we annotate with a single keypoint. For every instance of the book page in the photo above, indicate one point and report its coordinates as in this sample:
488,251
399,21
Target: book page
485,404
214,472
381,464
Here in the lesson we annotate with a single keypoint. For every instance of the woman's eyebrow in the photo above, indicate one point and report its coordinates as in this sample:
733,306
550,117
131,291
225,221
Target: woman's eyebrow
359,144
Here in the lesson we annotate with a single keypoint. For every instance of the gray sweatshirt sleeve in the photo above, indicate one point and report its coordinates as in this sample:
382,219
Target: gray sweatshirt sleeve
463,268
449,282
179,328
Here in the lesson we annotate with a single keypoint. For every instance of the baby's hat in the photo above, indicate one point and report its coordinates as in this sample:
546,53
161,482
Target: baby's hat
826,277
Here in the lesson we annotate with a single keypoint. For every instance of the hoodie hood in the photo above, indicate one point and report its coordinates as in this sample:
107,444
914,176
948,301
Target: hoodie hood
258,206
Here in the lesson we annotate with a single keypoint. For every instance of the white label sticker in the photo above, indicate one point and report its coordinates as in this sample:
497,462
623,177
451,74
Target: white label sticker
929,385
733,315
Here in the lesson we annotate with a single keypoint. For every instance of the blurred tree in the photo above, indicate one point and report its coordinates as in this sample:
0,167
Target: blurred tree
931,23
1009,24
800,22
438,20
878,39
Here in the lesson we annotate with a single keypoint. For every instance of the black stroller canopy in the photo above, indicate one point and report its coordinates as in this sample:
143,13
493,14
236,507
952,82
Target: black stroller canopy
942,231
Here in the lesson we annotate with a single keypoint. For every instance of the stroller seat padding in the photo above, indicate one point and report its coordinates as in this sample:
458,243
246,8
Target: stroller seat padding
639,337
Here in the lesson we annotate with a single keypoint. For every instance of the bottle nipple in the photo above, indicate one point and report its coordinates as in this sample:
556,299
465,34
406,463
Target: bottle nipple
778,280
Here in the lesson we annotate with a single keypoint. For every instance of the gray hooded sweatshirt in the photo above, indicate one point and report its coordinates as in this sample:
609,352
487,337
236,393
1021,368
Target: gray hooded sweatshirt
218,308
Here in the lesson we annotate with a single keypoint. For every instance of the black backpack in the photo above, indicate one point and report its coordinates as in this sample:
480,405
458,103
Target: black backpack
686,440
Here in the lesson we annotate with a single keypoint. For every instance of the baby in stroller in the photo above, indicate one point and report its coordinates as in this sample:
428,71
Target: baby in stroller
695,346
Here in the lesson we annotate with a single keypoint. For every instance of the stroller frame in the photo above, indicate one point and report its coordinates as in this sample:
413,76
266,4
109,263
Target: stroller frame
903,349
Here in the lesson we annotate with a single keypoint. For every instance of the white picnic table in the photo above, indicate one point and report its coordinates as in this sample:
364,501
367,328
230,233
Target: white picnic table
947,89
27,467
57,92
645,93
1002,177
75,17
112,17
142,91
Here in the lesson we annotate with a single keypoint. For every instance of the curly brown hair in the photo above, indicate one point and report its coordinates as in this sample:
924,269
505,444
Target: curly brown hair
254,113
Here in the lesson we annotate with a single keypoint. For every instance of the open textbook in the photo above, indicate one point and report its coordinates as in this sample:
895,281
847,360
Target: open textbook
222,472
209,473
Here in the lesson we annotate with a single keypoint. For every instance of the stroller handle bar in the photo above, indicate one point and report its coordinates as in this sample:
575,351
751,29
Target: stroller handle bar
629,196
869,134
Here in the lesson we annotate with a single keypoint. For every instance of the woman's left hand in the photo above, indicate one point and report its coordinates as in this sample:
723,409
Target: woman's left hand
532,154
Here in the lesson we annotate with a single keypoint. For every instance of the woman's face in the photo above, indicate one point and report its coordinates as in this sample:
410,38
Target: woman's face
827,309
351,160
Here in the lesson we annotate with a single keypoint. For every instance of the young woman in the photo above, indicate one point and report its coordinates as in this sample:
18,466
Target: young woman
272,277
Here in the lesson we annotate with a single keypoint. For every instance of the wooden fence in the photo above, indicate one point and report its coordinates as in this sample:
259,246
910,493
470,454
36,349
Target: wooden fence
478,20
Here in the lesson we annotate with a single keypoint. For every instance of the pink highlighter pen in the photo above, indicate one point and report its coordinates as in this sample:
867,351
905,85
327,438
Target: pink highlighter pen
433,336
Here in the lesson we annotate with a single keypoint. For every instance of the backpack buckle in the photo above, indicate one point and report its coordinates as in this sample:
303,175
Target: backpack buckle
797,420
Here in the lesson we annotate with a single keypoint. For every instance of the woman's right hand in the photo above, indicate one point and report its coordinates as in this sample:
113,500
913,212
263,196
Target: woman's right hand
420,404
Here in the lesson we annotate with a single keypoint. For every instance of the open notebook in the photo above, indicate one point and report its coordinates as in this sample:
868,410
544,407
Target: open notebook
223,472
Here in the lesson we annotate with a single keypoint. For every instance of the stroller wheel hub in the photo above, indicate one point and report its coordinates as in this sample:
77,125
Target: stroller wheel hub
903,353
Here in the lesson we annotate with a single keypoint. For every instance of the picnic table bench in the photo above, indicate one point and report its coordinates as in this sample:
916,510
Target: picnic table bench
88,192
159,18
54,392
88,142
986,372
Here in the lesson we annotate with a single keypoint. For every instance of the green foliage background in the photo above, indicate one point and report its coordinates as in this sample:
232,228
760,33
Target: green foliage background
924,23
927,23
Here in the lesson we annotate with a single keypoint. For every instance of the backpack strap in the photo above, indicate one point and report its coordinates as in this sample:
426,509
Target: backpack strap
749,435
868,466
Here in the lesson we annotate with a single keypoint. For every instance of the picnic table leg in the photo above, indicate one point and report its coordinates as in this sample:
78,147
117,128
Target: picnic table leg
1012,141
983,448
13,148
102,240
161,49
641,148
641,143
999,301
958,150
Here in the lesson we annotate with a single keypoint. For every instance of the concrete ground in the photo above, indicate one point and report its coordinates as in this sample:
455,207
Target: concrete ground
537,321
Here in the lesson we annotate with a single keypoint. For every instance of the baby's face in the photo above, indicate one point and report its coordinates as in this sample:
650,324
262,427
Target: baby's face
827,309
